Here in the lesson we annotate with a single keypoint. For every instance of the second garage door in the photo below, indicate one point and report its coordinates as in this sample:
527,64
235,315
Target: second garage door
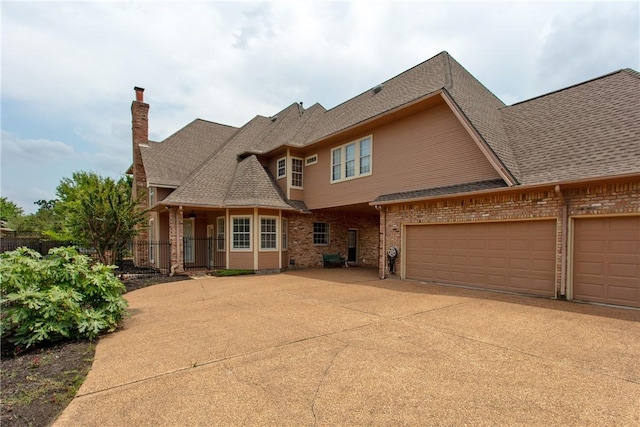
514,256
606,264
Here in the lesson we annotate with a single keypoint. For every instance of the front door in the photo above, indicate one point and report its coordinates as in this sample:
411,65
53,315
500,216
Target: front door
352,254
188,234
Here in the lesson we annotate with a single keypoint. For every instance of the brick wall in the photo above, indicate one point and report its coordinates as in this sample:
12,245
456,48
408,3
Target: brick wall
606,199
140,135
306,254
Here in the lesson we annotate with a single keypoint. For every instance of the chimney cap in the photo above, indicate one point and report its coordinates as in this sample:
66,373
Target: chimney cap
139,93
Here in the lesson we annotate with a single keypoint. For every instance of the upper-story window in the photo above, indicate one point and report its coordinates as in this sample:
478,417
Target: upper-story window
296,172
311,160
351,160
282,167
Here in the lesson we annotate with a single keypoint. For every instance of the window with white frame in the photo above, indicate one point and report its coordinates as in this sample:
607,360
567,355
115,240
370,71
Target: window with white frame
152,196
268,233
241,232
285,234
351,160
320,233
282,167
296,172
220,233
311,160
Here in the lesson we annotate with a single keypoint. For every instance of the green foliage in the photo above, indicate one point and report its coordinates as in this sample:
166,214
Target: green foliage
44,222
57,296
98,212
9,210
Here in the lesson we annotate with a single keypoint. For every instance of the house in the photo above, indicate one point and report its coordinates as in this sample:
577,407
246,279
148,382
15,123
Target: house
541,197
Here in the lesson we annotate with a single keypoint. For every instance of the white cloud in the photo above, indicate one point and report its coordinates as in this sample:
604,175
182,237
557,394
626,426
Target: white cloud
70,67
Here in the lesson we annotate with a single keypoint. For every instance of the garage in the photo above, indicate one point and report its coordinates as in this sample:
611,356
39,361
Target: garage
606,260
516,256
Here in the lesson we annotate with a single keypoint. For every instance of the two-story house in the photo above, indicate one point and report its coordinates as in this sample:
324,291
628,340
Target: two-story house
540,197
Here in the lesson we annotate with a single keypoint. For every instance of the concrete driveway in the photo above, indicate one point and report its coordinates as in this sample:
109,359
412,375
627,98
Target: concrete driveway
341,347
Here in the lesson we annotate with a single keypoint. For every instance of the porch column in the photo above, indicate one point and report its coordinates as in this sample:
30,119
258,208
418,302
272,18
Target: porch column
175,238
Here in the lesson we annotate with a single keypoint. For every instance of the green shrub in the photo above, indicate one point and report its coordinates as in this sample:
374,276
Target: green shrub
59,296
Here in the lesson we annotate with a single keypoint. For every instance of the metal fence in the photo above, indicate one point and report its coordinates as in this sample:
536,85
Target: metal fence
39,245
155,255
203,253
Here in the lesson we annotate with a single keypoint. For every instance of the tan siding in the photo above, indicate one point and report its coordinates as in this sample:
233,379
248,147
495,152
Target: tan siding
241,260
428,149
268,260
273,169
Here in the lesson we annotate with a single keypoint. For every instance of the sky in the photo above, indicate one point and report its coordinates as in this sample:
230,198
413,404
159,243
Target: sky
68,69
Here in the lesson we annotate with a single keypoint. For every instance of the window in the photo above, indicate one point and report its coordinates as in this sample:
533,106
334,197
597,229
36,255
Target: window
320,233
296,172
285,234
365,156
241,232
311,160
351,160
268,233
220,234
152,196
336,165
282,167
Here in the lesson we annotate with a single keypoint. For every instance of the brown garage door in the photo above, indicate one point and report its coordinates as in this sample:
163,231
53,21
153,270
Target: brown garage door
606,260
514,256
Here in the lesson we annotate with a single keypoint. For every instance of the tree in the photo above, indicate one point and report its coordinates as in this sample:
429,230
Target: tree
98,212
44,222
9,211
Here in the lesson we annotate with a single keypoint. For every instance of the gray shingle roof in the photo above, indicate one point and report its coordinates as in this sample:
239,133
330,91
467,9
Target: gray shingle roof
584,131
443,191
169,162
588,130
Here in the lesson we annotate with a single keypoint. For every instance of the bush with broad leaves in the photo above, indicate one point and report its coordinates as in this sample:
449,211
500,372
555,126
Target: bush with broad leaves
56,297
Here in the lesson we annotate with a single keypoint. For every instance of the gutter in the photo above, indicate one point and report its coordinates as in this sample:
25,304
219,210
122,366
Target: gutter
563,249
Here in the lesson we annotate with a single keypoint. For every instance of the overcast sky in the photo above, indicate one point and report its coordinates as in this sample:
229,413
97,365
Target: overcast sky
69,68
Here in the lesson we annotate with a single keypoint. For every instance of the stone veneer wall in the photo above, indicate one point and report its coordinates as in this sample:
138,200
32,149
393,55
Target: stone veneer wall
306,254
606,199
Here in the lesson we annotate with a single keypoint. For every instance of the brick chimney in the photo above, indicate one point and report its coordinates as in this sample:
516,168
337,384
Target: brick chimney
140,134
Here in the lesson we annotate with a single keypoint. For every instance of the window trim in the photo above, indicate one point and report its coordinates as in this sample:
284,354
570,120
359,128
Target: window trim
275,233
233,233
311,160
152,196
152,242
293,173
283,168
342,149
327,233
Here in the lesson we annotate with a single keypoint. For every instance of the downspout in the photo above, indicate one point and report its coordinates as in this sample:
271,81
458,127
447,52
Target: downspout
563,224
384,240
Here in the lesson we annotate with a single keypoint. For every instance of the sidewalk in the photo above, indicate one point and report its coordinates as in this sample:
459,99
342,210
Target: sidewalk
341,347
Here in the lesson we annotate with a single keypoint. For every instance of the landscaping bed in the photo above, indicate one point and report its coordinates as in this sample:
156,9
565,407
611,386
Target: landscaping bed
38,383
